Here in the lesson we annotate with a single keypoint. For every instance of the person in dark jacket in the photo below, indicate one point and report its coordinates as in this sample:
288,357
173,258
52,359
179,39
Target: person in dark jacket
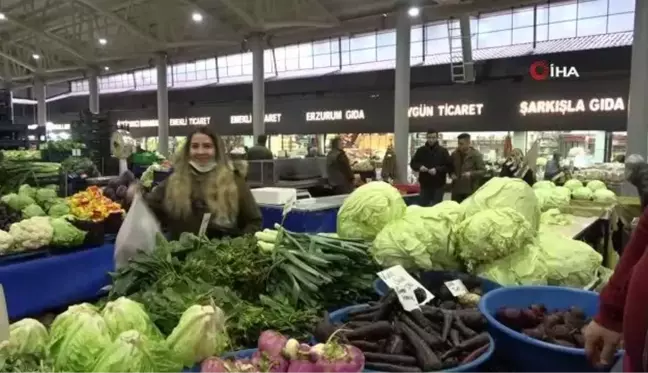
259,152
554,172
433,163
517,168
637,175
468,169
338,169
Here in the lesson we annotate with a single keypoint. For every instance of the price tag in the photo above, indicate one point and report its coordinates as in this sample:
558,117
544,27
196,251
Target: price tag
204,224
404,284
456,287
289,205
76,152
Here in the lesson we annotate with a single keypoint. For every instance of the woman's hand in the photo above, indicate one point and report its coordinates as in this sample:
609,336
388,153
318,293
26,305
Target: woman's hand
600,344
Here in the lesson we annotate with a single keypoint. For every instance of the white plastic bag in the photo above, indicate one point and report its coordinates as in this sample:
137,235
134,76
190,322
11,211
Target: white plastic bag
137,233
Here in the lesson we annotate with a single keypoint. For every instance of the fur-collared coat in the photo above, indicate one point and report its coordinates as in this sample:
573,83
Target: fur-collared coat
181,201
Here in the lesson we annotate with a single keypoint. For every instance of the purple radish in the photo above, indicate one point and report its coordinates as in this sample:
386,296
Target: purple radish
335,357
300,361
214,365
266,363
272,342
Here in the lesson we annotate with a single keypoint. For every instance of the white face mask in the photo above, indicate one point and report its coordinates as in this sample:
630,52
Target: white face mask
203,168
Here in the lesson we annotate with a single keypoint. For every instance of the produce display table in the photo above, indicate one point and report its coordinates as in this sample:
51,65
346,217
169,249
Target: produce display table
37,285
314,215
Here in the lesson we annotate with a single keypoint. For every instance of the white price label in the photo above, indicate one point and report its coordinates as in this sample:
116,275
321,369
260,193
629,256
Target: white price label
76,152
456,287
404,284
204,224
288,206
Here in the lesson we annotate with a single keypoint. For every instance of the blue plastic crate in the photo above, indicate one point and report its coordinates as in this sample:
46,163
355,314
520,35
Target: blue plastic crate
341,315
524,353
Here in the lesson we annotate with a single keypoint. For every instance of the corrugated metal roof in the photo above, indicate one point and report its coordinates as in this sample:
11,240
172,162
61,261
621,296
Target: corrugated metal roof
620,39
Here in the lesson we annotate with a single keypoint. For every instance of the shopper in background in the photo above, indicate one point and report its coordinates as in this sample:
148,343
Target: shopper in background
388,167
205,184
468,169
623,309
259,152
516,167
553,170
338,169
637,175
432,162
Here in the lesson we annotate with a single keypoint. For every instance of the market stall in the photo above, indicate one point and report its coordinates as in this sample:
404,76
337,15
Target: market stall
35,286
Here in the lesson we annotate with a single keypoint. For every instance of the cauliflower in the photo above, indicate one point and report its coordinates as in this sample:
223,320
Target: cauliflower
6,241
32,233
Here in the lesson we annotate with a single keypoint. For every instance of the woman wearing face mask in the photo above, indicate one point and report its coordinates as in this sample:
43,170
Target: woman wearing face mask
517,168
204,181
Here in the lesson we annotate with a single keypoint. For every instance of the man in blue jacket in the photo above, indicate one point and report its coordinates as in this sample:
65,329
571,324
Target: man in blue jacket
433,163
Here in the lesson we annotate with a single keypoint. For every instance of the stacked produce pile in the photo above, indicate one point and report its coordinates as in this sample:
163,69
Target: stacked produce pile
431,338
119,338
280,283
118,187
92,205
495,234
551,196
21,155
36,218
14,174
562,327
277,353
81,167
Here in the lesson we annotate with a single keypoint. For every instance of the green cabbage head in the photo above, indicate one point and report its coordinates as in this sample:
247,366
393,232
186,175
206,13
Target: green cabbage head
582,193
58,210
27,190
124,314
554,217
595,185
32,211
570,262
17,201
573,184
66,234
542,184
368,209
420,240
200,333
63,320
28,336
134,352
522,267
551,198
45,195
605,196
490,235
78,342
505,192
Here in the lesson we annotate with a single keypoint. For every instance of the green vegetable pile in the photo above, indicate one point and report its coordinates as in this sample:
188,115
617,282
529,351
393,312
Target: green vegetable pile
496,234
280,283
121,338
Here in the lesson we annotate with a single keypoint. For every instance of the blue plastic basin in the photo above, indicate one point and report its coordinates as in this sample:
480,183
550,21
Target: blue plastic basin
236,355
531,355
429,276
341,315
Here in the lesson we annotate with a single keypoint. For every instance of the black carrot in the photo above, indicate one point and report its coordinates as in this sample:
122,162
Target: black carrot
370,309
447,324
395,343
468,345
430,339
455,337
463,329
427,360
365,346
382,367
373,332
390,358
387,305
475,354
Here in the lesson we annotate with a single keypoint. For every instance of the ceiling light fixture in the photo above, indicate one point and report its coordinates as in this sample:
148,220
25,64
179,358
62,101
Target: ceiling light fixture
2,17
197,17
106,68
414,11
103,41
36,56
